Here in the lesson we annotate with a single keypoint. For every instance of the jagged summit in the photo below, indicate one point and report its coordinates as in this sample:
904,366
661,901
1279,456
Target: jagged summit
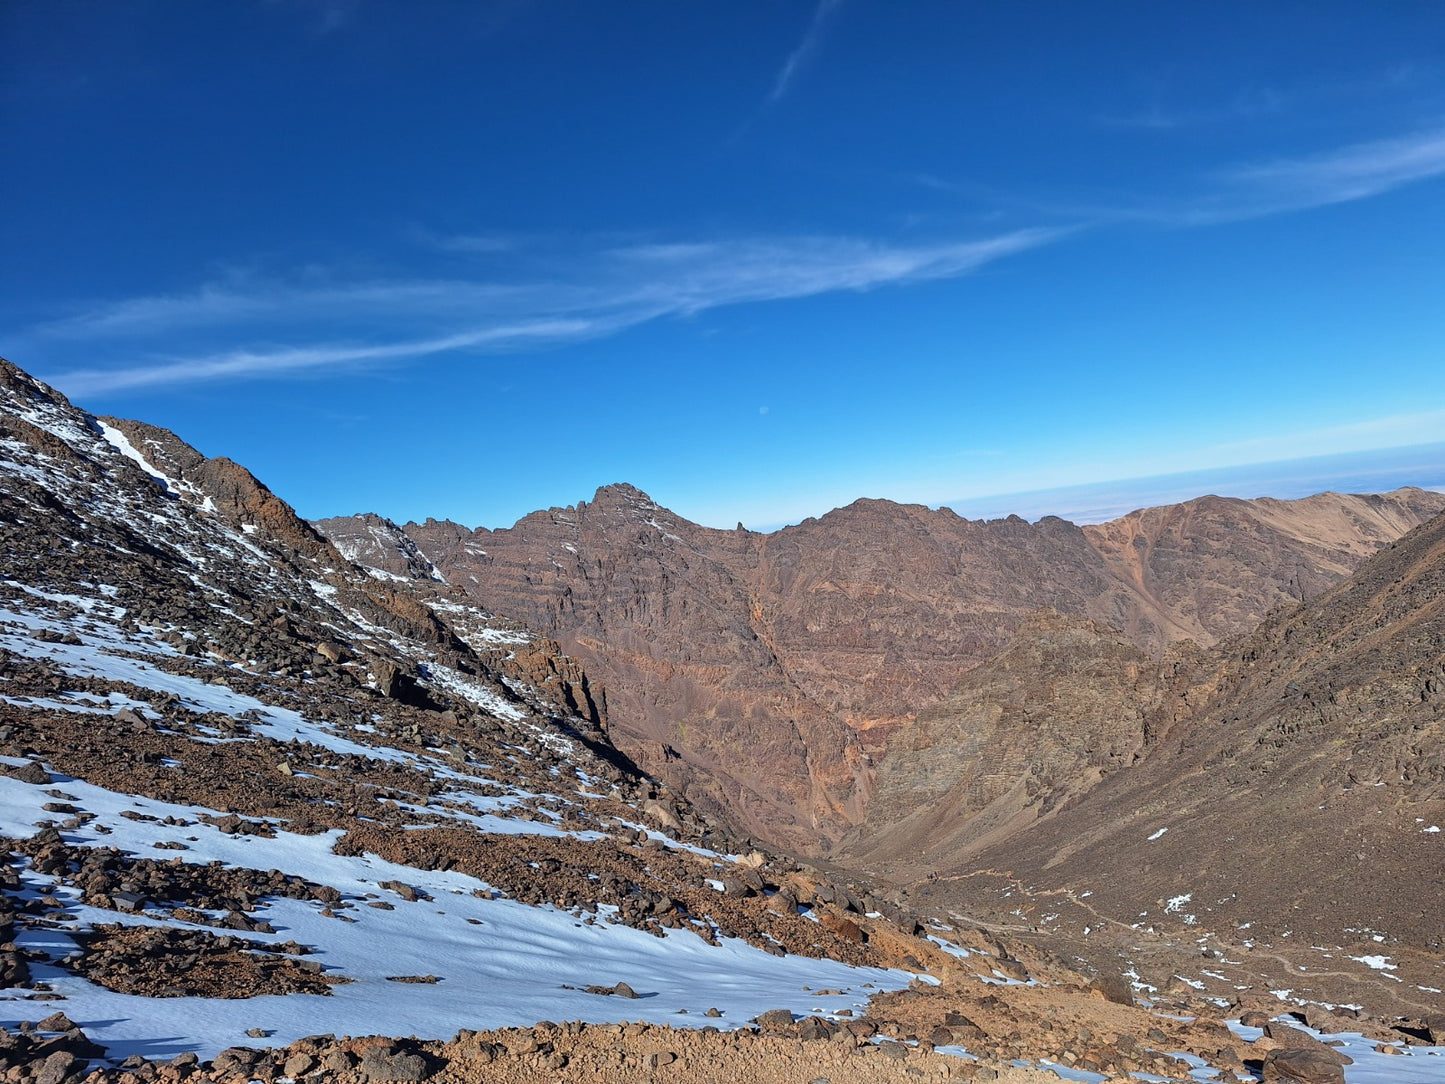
379,546
624,493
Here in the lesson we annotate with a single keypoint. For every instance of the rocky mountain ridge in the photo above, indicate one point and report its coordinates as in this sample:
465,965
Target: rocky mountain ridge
766,676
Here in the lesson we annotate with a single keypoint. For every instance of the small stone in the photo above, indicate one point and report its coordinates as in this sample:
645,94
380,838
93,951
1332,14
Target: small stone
56,1021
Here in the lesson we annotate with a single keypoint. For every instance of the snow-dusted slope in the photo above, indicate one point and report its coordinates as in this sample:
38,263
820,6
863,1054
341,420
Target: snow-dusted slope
251,794
188,676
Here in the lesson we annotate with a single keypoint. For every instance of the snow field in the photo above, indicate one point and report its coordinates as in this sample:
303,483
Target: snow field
499,963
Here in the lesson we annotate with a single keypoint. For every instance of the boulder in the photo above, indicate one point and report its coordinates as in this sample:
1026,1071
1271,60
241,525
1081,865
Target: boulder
388,1063
774,1020
1301,1066
1294,1039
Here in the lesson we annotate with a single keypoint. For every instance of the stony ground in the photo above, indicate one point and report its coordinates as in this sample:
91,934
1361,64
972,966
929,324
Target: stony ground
605,1054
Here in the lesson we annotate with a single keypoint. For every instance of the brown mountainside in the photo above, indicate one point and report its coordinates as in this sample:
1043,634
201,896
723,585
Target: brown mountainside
1211,568
767,675
1295,787
1067,704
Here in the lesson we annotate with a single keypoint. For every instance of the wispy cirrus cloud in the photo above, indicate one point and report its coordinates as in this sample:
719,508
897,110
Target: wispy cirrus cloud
601,293
1259,189
799,57
1349,173
252,363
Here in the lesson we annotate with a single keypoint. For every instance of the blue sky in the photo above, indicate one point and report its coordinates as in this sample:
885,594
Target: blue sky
759,259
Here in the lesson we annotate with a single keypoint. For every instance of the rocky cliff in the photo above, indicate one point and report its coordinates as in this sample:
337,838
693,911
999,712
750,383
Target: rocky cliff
767,675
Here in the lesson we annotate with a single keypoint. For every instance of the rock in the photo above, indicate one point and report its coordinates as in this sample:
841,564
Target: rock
733,886
384,1063
1301,1066
782,903
235,1057
405,891
814,1028
337,1061
34,772
56,1021
332,651
298,1065
774,1020
662,813
1113,987
127,901
1012,968
1293,1039
841,927
620,990
57,1067
1255,1019
1323,1020
73,1041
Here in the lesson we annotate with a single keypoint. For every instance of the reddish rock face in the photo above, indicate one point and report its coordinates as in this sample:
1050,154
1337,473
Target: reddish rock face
767,675
1293,781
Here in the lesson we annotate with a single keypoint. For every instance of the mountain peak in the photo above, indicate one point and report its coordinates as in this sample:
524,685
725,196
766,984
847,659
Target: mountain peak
622,493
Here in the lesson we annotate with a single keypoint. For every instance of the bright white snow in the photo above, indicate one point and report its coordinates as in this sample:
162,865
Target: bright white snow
511,966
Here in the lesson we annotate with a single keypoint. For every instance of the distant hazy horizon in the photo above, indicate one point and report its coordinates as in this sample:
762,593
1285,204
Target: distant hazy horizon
1375,471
